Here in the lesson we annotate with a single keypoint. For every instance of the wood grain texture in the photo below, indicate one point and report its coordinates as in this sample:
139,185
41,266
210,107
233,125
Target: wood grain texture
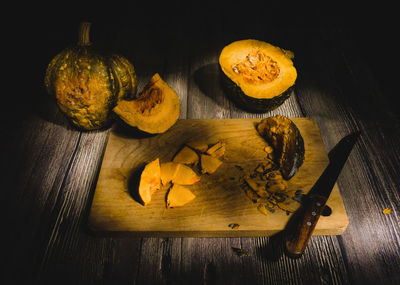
51,169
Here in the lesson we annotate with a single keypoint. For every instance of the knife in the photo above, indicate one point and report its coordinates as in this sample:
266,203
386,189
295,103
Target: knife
314,203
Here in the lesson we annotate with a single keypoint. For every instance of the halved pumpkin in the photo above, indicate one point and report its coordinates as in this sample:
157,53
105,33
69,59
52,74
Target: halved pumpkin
155,110
288,144
150,181
257,76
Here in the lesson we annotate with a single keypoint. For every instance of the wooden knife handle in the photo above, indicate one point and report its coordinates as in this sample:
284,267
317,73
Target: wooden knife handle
304,226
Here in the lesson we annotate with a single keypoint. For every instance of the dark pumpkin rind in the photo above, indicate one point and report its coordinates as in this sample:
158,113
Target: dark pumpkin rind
250,104
284,136
126,76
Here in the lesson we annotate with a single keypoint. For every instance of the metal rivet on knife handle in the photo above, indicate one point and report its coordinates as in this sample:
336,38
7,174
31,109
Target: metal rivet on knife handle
310,213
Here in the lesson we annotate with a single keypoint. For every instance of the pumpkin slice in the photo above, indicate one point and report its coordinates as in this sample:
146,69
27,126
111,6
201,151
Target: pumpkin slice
185,175
288,144
217,150
199,145
257,75
178,196
209,164
150,181
168,171
186,156
154,111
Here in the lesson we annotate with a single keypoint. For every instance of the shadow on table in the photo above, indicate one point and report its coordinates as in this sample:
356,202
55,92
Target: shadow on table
133,183
273,250
208,79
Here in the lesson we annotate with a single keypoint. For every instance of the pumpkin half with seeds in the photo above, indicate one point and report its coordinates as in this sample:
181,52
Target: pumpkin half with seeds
256,75
87,84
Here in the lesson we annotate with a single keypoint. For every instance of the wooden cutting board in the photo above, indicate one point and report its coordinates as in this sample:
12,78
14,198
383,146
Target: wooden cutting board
220,199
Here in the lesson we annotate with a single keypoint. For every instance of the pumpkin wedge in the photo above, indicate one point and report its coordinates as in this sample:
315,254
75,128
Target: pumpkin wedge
185,175
199,145
168,171
209,164
217,150
150,181
186,156
154,111
177,173
178,196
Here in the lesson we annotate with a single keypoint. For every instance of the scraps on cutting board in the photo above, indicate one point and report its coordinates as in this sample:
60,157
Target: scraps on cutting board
266,185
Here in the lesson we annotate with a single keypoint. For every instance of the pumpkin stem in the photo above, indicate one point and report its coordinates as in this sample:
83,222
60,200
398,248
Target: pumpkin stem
84,32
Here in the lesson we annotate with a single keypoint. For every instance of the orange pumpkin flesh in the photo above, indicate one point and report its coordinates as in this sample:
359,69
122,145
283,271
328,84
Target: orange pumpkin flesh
168,171
186,156
154,111
177,173
209,164
185,176
150,181
198,145
178,196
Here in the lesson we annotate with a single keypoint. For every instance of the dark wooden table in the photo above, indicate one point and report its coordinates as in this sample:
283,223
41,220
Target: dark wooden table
345,83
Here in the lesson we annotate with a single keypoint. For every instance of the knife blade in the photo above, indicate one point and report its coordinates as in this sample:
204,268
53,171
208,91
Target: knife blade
314,203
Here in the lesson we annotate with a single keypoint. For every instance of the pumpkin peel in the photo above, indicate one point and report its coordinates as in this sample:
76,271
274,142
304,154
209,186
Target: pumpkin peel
288,145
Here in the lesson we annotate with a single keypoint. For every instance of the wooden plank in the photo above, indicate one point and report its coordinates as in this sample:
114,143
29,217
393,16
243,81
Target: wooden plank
115,209
64,238
358,104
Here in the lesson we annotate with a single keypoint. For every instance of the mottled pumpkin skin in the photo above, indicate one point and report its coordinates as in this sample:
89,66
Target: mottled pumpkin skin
284,136
84,85
87,85
126,76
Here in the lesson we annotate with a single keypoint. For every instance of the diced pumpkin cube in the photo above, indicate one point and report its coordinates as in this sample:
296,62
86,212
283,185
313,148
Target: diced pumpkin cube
217,150
199,145
186,156
185,175
169,171
178,196
209,164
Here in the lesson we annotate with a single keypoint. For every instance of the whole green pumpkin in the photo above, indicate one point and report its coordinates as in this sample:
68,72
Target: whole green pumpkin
88,84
